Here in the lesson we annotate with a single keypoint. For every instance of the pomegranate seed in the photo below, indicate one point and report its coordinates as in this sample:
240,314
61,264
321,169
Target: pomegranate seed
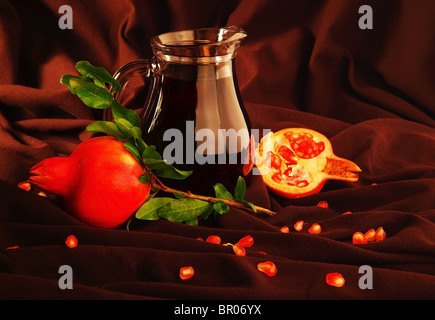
13,247
358,238
370,235
42,194
285,229
299,225
323,204
335,279
347,212
245,242
239,251
25,185
71,241
315,229
267,267
186,272
262,252
200,239
380,234
214,239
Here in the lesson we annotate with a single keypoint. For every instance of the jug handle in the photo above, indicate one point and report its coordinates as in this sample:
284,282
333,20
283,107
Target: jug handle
143,68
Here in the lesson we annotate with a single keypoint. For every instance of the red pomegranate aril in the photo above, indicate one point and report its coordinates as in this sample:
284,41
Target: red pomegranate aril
277,177
288,172
267,267
25,185
186,272
214,239
380,234
315,228
370,235
245,242
358,238
304,145
302,184
239,251
299,225
275,161
323,204
335,279
71,241
287,154
285,229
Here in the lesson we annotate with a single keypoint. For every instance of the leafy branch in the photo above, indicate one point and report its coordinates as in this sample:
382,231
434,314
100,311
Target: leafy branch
185,207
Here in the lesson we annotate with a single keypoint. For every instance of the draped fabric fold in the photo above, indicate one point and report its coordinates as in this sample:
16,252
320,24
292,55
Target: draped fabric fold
303,64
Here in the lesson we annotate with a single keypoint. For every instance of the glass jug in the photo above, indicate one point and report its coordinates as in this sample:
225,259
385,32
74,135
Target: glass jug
190,106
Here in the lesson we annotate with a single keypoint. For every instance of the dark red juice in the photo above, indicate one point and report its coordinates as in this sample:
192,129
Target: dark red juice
201,103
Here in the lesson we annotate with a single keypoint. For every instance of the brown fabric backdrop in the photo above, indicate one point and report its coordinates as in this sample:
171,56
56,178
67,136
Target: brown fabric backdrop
304,63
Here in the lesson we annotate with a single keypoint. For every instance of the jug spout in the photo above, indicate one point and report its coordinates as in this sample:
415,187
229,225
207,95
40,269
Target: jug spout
231,34
231,38
204,45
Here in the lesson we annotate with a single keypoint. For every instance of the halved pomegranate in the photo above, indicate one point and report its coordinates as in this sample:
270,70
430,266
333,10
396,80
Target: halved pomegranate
296,162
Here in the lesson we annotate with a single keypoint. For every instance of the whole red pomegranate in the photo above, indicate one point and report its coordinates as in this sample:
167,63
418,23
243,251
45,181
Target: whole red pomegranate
98,182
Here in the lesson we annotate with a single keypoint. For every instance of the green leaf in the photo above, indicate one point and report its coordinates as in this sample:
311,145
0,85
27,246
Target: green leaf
124,126
151,153
137,135
106,127
222,192
185,209
206,213
98,74
149,210
249,204
221,207
240,189
144,178
171,172
152,158
154,164
128,130
92,95
119,111
192,222
154,161
65,79
179,195
130,147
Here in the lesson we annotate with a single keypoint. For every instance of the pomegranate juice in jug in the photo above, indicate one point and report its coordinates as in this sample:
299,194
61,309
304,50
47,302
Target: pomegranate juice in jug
197,122
192,111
